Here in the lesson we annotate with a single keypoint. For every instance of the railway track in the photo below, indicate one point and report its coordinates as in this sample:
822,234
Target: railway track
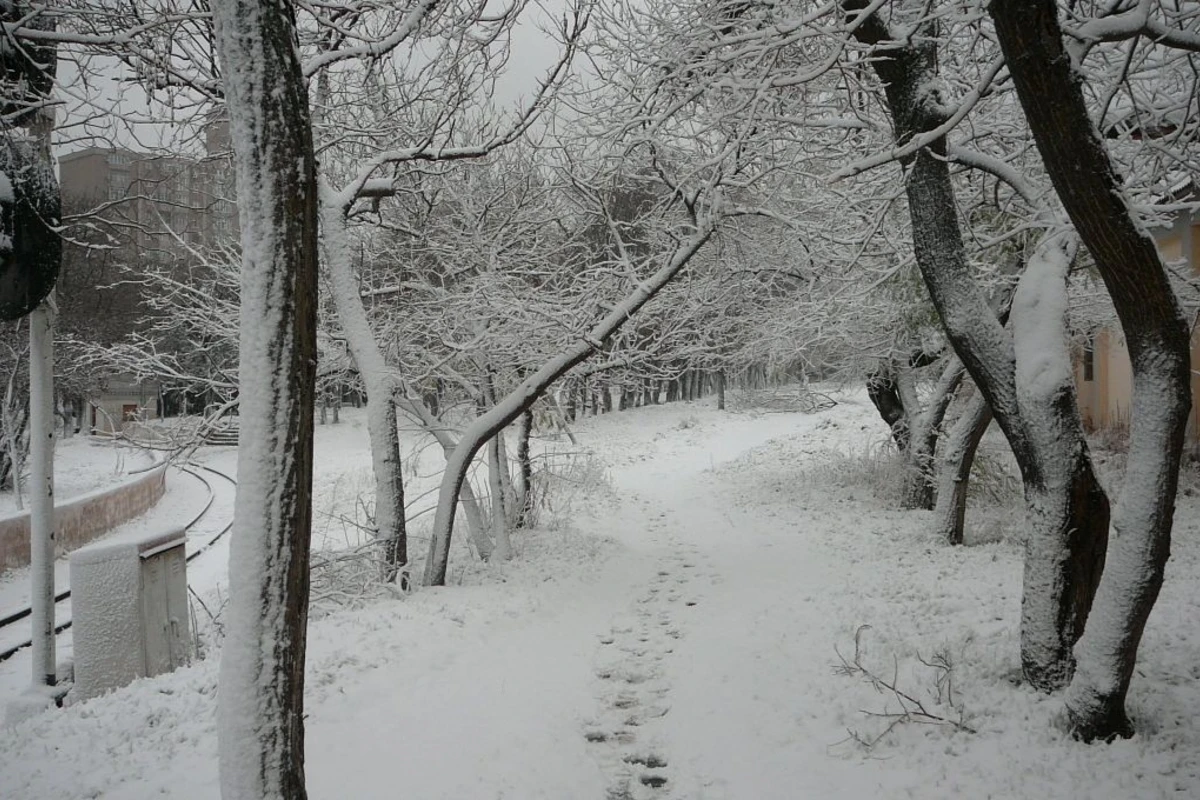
60,598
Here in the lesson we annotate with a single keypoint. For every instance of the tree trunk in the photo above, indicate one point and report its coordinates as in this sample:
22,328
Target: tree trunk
1064,552
922,443
41,495
503,551
1156,333
389,509
720,390
378,380
884,393
525,498
571,403
261,696
958,456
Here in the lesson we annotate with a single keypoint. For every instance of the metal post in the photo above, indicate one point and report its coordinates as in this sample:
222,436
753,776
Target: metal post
41,490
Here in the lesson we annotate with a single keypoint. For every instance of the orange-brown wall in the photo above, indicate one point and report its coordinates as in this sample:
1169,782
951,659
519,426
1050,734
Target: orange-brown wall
82,519
1105,401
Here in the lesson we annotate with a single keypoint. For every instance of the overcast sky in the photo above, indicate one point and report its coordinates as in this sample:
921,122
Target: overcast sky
82,123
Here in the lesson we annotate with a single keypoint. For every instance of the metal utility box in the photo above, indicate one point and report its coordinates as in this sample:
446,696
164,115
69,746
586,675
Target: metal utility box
129,611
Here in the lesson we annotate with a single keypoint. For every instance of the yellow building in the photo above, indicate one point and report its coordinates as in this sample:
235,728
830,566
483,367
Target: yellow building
1102,372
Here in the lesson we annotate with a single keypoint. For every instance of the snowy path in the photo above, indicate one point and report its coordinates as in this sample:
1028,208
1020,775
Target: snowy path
691,704
675,640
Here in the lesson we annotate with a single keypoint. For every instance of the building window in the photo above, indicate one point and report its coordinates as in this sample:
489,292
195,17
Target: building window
1089,360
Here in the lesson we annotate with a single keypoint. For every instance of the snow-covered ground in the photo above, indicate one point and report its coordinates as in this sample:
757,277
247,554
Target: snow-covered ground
83,464
677,630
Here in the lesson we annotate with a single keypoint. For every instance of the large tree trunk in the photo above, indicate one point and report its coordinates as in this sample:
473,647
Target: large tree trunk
261,698
958,456
1156,334
1060,479
378,380
1061,561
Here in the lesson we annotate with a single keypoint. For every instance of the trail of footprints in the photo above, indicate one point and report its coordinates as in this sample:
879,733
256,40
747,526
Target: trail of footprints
632,690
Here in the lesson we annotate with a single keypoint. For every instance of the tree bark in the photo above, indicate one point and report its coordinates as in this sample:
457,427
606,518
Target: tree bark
925,426
503,550
571,402
884,393
1051,94
958,456
525,499
261,694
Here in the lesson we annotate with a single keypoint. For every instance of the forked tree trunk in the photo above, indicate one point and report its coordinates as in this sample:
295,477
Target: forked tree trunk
1064,552
261,694
1156,333
954,476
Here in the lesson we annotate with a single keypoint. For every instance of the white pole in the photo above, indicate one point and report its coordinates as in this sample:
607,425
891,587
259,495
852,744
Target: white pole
41,490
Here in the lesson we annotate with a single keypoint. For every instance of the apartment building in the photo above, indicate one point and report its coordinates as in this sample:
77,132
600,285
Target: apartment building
139,210
155,203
